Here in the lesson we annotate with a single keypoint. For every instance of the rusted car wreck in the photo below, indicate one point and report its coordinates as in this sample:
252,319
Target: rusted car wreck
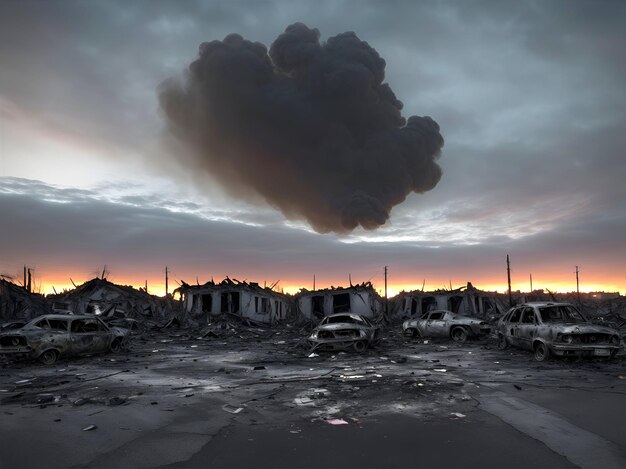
446,324
51,336
344,331
555,329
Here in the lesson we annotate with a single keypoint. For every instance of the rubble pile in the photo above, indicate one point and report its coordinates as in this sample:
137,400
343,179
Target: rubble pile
112,301
17,303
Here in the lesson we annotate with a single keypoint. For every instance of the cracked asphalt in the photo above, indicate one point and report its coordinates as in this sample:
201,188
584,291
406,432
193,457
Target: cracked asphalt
255,398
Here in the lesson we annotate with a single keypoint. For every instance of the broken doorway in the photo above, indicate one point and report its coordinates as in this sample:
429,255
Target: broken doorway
317,306
429,303
454,303
230,302
341,303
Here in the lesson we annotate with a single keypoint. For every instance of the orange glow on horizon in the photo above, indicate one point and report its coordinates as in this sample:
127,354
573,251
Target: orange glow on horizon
156,286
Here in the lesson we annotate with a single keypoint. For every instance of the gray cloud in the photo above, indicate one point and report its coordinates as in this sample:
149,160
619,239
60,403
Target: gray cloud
135,241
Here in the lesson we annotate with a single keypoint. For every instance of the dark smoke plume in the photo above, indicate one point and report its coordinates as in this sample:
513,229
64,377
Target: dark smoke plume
309,127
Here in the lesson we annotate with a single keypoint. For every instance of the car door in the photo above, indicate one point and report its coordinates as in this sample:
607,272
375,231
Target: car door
511,327
436,324
526,330
59,334
88,335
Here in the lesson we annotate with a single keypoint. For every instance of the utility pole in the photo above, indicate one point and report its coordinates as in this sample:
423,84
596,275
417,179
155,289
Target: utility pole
29,281
508,274
24,276
350,279
146,286
313,282
386,302
531,283
577,285
166,282
450,284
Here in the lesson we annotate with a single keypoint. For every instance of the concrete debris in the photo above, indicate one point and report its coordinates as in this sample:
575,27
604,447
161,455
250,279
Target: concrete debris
232,409
18,304
337,422
114,302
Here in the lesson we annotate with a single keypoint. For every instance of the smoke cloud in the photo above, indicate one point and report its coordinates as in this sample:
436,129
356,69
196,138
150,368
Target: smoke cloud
310,127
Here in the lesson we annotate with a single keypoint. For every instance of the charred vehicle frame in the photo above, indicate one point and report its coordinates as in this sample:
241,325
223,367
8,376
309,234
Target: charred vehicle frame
343,331
555,329
51,336
443,323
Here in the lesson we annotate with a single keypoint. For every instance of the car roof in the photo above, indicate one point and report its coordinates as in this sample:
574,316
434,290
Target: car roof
65,316
545,303
352,315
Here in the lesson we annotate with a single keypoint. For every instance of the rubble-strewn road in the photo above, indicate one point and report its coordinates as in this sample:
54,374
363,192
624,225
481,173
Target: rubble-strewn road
252,398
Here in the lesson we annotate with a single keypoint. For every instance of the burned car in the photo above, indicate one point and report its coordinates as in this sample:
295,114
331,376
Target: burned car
51,336
442,323
555,329
344,331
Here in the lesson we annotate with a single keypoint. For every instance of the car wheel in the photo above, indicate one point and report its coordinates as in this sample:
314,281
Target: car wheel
116,345
413,333
542,353
359,346
459,334
49,357
503,344
613,353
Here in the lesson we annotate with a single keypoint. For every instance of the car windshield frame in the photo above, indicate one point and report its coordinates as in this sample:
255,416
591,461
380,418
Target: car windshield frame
567,314
345,319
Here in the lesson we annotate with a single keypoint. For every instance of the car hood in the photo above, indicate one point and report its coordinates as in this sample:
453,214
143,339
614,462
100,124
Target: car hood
340,325
583,329
120,331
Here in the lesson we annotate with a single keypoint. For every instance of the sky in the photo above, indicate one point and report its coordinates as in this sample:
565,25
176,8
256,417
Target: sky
530,98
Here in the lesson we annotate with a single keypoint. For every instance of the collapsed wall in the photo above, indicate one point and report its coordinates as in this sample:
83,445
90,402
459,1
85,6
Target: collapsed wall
109,300
465,301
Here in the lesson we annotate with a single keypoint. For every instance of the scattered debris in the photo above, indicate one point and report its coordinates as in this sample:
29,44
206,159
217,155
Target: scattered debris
337,422
232,409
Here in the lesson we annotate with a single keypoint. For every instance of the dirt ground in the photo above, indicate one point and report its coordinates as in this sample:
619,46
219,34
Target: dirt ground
256,398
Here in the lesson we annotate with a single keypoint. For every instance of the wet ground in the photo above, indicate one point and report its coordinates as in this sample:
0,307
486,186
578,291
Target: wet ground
255,398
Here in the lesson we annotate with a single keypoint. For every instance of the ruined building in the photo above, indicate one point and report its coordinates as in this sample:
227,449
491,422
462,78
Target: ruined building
106,299
17,303
466,301
358,299
232,297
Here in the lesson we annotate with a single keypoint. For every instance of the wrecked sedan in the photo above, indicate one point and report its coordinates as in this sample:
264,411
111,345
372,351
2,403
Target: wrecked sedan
49,337
443,323
555,329
344,331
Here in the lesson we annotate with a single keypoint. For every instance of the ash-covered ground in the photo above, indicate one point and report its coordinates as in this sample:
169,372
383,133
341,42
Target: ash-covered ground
249,397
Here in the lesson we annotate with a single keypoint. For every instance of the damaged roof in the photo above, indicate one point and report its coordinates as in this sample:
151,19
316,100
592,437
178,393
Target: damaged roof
230,283
90,286
356,287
